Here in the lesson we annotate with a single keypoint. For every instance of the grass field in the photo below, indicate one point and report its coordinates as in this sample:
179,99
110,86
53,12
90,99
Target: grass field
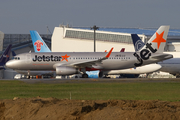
92,91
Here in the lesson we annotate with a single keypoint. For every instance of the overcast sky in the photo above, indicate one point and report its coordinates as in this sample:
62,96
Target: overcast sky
21,16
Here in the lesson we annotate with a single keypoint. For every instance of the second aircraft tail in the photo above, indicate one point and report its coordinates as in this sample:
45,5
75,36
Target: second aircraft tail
138,43
5,56
38,42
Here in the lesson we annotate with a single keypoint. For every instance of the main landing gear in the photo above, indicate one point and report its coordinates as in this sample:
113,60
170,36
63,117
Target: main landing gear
84,75
177,76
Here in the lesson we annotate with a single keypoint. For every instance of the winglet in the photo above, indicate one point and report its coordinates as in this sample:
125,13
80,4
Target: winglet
109,53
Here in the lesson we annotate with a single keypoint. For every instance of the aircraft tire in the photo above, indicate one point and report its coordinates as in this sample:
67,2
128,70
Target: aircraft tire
85,76
178,76
28,77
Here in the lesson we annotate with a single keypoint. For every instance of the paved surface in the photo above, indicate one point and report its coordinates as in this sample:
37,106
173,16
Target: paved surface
100,80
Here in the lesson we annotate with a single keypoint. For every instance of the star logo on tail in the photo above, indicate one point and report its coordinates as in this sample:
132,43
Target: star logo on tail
65,57
159,38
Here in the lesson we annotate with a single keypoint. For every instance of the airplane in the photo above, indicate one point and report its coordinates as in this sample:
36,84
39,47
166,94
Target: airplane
5,57
171,66
68,63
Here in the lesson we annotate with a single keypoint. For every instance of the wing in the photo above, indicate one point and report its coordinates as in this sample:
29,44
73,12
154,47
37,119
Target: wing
90,63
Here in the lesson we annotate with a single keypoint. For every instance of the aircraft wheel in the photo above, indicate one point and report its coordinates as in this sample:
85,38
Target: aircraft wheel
85,76
28,77
178,76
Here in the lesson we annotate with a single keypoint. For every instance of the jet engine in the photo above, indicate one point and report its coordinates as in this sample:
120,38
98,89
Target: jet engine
93,74
66,70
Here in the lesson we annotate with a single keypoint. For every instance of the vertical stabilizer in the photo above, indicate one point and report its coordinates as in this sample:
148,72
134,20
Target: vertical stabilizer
155,45
5,56
138,43
158,40
122,50
38,42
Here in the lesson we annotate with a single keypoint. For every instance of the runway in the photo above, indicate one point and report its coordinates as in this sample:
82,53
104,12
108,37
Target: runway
101,80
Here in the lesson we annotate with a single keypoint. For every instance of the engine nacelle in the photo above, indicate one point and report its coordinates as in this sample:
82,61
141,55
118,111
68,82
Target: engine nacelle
93,74
66,70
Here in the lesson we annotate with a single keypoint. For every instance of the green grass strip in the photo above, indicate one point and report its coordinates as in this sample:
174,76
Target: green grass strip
92,91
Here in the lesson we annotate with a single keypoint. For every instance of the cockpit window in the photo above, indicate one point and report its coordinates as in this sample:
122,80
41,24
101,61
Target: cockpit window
17,58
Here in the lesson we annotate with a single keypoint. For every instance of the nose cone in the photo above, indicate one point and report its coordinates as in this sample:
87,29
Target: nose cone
10,64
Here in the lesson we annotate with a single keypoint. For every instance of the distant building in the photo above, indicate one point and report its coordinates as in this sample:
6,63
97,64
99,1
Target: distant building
66,39
81,40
